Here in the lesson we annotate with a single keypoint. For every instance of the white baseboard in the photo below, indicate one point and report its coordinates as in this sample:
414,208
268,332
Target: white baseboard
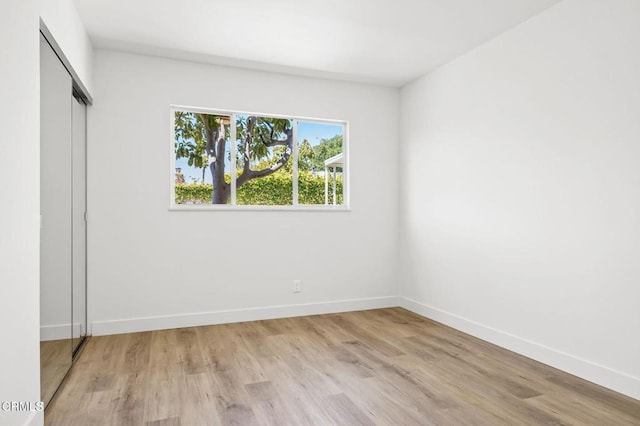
588,370
59,331
101,328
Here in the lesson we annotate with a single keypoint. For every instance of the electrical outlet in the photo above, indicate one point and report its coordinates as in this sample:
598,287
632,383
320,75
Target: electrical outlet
296,286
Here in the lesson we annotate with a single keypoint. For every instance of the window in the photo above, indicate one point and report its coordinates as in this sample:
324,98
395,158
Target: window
225,159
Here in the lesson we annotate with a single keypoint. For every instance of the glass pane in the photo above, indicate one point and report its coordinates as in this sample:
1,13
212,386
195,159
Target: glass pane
320,163
264,166
202,158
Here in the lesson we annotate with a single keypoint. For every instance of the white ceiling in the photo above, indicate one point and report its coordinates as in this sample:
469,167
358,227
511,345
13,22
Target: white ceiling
388,42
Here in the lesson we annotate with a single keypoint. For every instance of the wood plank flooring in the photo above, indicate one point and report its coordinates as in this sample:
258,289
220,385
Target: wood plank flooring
55,361
378,367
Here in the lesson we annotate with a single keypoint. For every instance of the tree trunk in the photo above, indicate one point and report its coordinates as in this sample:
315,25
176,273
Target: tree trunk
220,187
215,147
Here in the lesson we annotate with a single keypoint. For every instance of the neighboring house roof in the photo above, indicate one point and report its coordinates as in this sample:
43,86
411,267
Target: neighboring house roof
335,161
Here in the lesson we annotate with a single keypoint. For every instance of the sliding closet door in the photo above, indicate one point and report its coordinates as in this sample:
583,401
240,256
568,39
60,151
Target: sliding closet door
79,329
56,228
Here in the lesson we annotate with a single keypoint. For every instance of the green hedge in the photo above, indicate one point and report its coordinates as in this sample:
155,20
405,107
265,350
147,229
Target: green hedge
275,189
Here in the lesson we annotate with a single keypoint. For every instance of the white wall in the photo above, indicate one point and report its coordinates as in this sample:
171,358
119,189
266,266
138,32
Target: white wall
521,204
62,19
19,215
182,268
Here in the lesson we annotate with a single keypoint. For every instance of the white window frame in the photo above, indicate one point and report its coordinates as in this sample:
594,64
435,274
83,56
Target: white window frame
346,206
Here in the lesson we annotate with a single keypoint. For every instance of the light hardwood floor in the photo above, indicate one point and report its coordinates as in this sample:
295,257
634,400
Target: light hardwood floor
385,367
55,361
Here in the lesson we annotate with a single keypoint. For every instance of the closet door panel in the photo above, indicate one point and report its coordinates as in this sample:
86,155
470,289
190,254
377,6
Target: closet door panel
79,329
56,230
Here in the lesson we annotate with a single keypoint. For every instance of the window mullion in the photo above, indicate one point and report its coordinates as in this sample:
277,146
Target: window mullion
232,139
295,163
346,172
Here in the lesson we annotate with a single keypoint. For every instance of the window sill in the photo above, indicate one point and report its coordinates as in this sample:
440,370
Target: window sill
201,208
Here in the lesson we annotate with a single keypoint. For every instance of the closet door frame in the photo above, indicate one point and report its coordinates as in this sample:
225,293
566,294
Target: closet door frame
79,89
